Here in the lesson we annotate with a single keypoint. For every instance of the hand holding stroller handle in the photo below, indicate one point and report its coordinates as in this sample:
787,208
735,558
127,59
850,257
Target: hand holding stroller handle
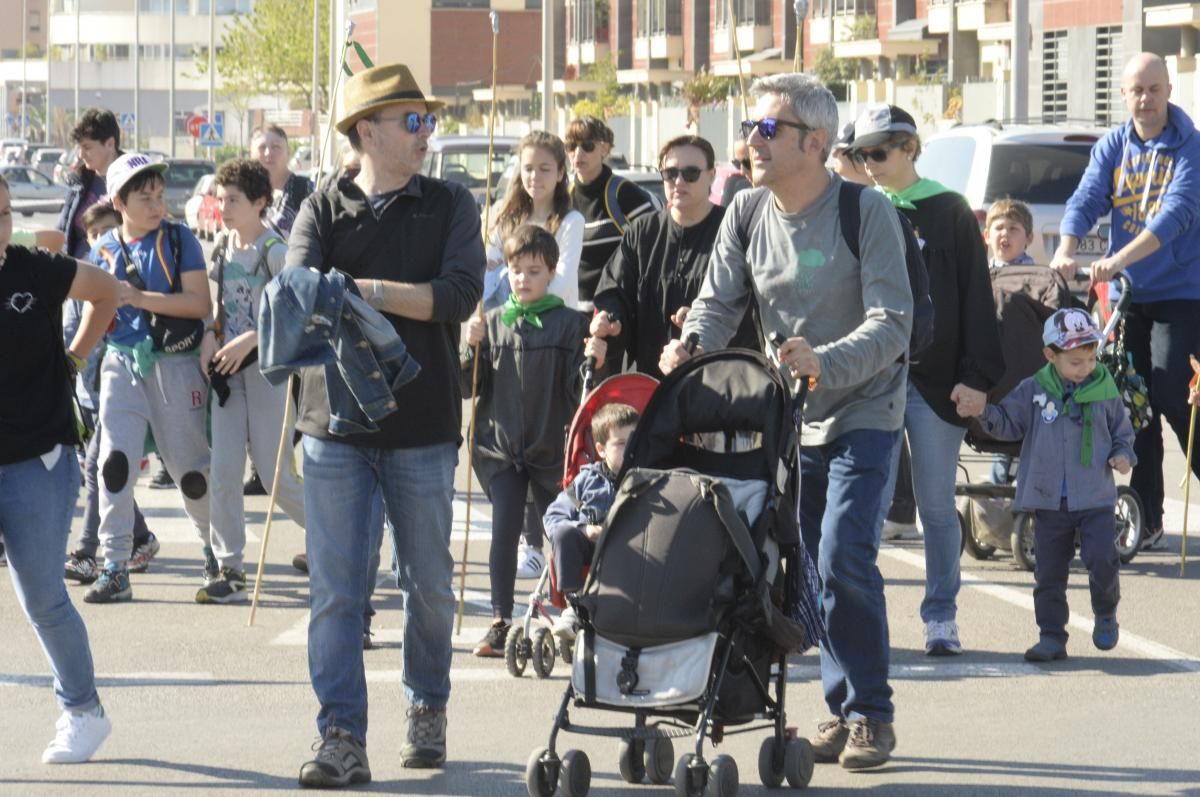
777,340
1126,292
690,343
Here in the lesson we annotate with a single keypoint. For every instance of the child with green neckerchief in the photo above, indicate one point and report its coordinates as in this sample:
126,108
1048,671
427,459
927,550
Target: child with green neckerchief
1075,431
529,350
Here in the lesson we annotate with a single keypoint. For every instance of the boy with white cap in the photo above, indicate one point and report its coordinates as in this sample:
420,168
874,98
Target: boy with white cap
1075,432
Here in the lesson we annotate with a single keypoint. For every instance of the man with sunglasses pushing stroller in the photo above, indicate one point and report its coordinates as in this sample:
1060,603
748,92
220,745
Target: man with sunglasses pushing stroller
847,319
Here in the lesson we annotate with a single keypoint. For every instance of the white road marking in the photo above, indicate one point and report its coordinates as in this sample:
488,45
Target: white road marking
1023,599
114,679
297,635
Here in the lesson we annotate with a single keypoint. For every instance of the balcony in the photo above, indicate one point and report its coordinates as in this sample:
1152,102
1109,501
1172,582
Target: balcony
874,49
588,52
659,46
972,14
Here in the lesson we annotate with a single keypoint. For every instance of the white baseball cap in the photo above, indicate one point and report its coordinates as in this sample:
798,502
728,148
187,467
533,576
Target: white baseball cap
123,169
1070,328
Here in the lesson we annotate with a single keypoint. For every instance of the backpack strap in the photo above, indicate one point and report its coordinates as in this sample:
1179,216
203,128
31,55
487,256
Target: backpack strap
850,214
752,211
219,258
612,189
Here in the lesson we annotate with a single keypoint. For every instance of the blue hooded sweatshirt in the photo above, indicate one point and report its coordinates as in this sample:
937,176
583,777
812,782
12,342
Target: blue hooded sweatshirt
1150,185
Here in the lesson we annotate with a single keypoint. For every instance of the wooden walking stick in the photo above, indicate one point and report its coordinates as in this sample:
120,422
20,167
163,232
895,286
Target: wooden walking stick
487,213
1193,386
737,54
284,436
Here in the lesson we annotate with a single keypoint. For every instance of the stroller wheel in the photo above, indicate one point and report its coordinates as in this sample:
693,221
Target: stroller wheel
1022,542
566,649
798,762
576,774
972,546
543,652
722,777
515,655
770,762
1131,523
659,754
541,773
690,780
630,760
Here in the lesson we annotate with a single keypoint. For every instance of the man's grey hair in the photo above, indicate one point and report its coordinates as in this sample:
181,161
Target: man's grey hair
810,101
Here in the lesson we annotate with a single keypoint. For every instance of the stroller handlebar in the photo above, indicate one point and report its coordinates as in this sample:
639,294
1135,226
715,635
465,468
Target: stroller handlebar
1122,303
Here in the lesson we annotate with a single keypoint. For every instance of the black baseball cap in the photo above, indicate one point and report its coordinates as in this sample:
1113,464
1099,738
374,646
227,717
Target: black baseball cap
876,124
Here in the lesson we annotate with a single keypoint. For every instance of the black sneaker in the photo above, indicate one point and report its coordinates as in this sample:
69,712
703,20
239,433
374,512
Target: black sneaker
229,587
425,747
492,644
254,485
340,761
143,552
212,568
81,568
112,586
161,480
300,562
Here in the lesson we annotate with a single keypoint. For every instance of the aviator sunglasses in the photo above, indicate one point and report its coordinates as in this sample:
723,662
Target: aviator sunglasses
690,174
413,121
768,128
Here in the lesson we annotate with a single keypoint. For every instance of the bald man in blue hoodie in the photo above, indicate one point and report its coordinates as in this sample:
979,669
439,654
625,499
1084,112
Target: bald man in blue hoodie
1145,174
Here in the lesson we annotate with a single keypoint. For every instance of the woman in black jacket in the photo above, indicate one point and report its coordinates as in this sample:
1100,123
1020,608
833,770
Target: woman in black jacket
39,476
957,369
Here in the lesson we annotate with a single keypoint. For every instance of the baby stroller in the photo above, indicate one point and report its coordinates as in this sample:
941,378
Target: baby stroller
686,613
533,639
1025,297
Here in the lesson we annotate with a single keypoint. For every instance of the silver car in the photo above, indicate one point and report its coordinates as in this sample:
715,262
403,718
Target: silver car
33,192
1040,165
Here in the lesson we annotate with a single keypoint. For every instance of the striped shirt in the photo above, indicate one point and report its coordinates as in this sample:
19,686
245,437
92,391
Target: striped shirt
601,235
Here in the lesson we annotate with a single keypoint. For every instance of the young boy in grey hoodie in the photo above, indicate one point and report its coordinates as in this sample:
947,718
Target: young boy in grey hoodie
1075,432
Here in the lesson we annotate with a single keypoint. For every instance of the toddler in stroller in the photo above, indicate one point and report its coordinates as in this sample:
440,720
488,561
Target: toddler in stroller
686,617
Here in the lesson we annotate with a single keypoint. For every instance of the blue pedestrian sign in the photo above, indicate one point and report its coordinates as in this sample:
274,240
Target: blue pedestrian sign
126,119
212,135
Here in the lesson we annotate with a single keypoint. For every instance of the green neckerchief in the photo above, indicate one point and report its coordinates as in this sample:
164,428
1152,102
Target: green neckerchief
514,309
921,189
1100,387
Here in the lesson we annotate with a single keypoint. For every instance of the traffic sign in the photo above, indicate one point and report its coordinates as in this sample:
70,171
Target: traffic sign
194,123
126,119
212,135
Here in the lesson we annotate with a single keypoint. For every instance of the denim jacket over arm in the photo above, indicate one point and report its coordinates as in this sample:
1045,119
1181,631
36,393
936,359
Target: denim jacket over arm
312,319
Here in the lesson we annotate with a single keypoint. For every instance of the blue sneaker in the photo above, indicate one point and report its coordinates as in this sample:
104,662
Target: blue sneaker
1046,650
112,586
1106,632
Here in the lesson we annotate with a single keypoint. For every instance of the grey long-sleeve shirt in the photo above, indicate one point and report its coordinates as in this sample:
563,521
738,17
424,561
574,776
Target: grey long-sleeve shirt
857,315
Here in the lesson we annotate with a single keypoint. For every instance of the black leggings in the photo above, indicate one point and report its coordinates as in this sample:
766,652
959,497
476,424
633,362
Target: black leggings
507,490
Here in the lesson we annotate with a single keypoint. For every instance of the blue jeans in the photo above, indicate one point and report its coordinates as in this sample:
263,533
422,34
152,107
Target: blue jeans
934,445
35,513
841,516
340,483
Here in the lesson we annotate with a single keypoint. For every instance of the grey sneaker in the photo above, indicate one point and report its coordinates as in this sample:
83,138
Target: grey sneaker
229,588
212,568
340,761
81,568
142,554
870,744
941,638
110,587
426,747
831,738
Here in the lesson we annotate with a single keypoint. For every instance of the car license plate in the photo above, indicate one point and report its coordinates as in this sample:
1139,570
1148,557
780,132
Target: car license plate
1092,245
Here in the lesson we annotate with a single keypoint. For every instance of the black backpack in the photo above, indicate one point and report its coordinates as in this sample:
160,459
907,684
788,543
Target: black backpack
850,216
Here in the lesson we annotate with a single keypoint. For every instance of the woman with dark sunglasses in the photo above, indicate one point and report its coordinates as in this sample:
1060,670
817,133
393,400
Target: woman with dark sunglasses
958,368
650,281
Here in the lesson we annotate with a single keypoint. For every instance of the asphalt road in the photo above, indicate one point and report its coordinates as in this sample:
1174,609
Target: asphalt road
202,703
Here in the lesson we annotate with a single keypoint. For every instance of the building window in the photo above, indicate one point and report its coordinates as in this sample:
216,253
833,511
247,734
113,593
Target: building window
749,12
583,20
1108,75
662,17
1054,81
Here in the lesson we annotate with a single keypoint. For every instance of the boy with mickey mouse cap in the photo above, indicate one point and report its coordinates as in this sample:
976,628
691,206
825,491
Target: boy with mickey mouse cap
1075,431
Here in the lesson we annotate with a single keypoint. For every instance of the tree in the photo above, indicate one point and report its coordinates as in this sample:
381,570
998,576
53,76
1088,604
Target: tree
835,73
608,101
269,51
705,89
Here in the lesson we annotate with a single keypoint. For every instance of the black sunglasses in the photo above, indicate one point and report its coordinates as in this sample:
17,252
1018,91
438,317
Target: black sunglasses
690,174
769,127
741,164
878,155
586,146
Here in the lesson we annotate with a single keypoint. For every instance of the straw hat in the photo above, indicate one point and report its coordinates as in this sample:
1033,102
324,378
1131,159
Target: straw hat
378,88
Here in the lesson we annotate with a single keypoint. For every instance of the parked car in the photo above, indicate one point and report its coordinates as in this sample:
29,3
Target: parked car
463,159
302,161
206,186
45,160
65,166
182,177
1041,165
33,192
648,180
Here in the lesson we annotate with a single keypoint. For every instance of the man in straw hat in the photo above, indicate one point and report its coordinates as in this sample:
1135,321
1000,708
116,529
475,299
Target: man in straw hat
413,247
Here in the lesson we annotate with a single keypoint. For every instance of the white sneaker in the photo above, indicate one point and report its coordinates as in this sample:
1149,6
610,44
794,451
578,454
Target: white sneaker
941,638
565,625
530,562
79,737
900,531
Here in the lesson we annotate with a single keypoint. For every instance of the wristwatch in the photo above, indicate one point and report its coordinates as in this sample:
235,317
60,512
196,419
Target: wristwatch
376,299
